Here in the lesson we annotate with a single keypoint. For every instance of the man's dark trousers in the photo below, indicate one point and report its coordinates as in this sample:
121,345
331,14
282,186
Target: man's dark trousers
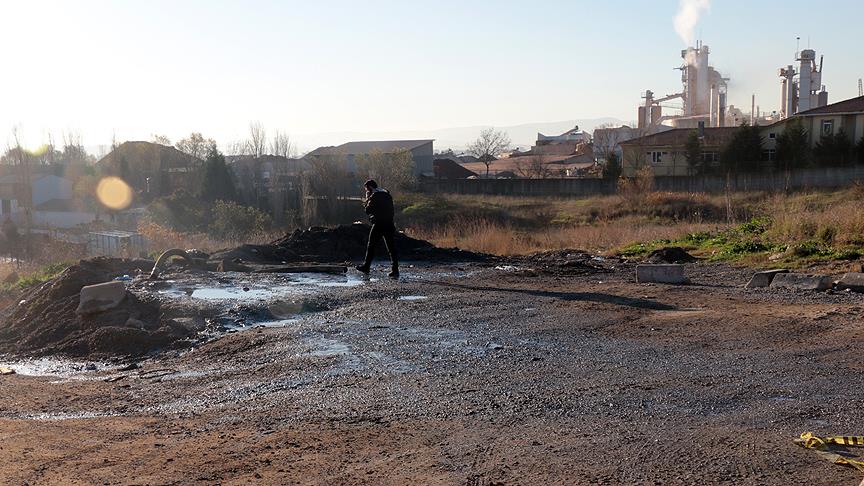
386,230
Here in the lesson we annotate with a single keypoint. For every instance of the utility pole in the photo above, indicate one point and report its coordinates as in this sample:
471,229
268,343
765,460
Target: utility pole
860,88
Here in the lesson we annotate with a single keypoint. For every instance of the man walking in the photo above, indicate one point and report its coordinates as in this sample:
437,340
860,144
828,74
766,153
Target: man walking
379,207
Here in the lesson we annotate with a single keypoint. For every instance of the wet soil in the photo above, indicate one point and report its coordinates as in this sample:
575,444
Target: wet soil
470,375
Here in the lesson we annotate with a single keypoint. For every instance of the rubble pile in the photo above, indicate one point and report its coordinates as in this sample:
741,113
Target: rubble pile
340,244
45,321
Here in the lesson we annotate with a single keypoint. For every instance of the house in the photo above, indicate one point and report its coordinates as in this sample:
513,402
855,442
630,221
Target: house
50,201
665,152
847,115
151,169
447,168
421,152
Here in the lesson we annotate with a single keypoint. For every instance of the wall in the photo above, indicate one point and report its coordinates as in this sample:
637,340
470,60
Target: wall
423,159
51,187
777,181
61,219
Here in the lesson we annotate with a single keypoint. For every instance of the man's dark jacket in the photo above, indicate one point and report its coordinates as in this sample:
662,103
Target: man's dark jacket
379,207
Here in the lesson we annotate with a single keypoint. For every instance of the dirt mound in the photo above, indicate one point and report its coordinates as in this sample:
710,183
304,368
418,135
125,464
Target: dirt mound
45,322
670,254
343,243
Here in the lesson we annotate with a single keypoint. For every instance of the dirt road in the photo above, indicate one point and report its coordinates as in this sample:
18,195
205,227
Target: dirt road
479,377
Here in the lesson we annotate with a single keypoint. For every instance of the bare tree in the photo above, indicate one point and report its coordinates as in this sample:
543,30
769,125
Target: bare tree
393,170
196,145
489,146
160,139
281,145
257,143
607,137
533,167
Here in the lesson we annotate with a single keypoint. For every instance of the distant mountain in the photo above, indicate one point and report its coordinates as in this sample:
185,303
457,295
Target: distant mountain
456,138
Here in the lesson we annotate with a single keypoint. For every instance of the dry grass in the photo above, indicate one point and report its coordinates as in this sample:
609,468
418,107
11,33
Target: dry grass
501,239
161,239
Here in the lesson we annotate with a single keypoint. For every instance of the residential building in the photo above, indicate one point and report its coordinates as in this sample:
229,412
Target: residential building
152,169
846,115
51,203
448,168
665,152
349,153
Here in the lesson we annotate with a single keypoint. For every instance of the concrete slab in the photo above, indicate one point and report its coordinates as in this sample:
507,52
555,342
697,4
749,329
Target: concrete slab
853,281
668,273
763,279
801,281
100,297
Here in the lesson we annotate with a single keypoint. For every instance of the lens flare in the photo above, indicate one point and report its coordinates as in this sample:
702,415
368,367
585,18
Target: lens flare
114,193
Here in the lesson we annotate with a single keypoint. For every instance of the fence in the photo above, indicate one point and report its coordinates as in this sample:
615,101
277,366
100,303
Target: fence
768,181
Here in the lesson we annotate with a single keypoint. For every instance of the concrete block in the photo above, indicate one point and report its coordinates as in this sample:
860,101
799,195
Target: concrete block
763,279
853,281
669,274
100,297
801,281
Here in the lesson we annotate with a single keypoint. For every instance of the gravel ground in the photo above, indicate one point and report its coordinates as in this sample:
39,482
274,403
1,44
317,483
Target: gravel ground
470,375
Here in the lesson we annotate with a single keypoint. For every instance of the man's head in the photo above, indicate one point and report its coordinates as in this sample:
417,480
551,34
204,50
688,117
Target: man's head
370,186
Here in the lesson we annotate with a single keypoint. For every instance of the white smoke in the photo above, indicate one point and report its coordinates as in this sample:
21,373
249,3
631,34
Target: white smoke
687,18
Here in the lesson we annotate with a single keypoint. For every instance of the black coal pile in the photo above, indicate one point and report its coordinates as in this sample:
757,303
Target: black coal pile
670,254
45,322
340,244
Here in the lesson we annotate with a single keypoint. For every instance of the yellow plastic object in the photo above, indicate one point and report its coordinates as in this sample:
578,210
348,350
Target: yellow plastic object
822,446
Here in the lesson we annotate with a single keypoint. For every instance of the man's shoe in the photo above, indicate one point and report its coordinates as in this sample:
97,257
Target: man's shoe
362,268
393,274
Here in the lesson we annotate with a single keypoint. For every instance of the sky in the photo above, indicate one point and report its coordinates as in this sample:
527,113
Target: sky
130,69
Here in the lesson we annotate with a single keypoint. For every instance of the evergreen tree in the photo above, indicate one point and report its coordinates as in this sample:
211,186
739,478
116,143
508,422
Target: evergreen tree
217,183
833,150
693,152
612,169
793,152
744,151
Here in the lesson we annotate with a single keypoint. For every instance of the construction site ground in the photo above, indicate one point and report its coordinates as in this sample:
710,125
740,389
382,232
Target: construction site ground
466,374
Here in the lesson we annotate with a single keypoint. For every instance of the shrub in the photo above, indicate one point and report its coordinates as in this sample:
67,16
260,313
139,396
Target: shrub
230,220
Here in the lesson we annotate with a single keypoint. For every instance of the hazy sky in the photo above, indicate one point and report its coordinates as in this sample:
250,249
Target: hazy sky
135,68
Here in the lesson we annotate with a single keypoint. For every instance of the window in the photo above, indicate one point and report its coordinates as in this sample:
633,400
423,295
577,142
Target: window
772,135
769,155
710,157
656,157
827,127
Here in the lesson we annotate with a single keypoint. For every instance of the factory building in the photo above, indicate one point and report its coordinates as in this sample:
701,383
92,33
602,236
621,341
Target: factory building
807,91
703,96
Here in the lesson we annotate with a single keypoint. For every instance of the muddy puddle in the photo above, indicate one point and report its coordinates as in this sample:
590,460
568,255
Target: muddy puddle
262,289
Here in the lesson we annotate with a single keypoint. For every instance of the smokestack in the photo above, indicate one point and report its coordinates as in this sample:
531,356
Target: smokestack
753,110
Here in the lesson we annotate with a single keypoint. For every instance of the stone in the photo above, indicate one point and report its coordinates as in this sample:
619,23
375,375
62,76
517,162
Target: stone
763,279
667,273
801,281
94,299
853,281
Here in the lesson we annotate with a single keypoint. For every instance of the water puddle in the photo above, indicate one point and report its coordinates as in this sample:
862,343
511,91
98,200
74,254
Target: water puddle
55,367
262,289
